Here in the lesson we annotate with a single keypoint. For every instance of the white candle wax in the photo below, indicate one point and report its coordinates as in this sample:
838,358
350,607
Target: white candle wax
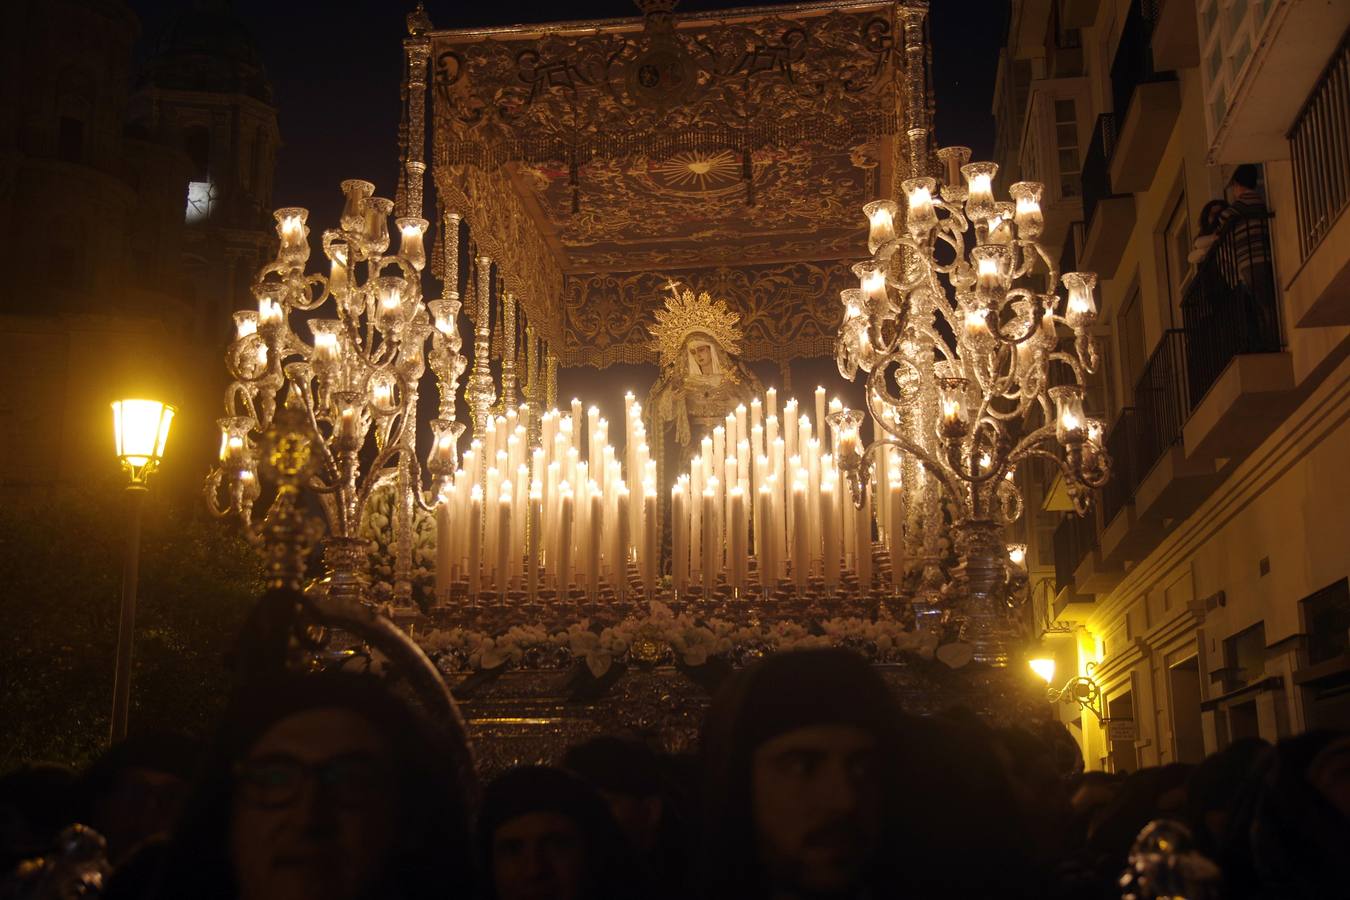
592,539
863,536
475,540
820,416
563,551
651,553
830,535
737,542
708,571
532,551
444,552
800,549
504,543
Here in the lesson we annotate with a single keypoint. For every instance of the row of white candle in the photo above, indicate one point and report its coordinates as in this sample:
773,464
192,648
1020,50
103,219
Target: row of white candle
547,518
783,501
560,520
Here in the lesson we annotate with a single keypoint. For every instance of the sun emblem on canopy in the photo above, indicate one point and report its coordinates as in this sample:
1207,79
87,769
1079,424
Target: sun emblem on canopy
685,314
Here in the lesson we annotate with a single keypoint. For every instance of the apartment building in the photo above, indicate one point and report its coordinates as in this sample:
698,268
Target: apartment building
1197,156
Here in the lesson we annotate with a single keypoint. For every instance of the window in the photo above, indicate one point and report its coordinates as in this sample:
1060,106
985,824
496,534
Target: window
201,200
1244,654
1130,329
74,110
197,145
1066,149
1176,248
1326,621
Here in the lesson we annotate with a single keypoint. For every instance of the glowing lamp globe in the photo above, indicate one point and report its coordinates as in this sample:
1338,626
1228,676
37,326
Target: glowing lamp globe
141,429
1044,667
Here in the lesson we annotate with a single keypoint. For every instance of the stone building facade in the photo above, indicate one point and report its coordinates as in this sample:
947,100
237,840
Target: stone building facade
134,196
1207,592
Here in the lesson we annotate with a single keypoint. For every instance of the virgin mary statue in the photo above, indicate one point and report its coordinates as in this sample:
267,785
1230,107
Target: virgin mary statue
702,378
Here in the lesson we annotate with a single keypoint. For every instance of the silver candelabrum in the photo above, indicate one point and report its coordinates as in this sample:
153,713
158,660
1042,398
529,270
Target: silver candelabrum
975,364
335,415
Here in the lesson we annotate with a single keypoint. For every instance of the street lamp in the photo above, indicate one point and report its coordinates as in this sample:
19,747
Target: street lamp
1081,689
140,429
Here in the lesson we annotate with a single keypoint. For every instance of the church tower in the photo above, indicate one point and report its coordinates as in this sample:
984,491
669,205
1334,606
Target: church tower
204,90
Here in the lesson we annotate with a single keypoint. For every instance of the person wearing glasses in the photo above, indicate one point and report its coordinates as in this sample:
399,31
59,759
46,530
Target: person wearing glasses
324,786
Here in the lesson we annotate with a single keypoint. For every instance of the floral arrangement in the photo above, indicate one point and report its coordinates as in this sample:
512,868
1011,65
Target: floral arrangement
377,528
660,636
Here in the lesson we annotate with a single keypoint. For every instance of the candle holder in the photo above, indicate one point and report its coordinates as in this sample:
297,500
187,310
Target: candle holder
346,400
964,410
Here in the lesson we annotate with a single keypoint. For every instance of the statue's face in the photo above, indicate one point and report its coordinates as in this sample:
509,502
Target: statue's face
703,357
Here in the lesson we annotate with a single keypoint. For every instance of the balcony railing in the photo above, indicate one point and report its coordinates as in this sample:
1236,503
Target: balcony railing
1075,537
1319,144
1133,64
1162,400
1097,165
1230,305
1122,445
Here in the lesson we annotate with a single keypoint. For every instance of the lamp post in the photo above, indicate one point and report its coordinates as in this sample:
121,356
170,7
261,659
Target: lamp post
140,429
1081,689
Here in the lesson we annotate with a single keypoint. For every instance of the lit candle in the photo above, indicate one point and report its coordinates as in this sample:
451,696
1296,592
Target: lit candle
977,326
764,525
444,551
738,538
623,525
710,554
576,424
592,542
475,540
593,444
830,534
532,554
919,200
742,426
864,538
504,540
771,402
563,550
801,530
881,223
270,313
651,554
820,416
679,538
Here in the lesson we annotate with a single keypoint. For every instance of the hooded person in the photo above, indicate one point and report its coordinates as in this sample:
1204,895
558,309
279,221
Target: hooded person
325,786
630,776
544,834
798,756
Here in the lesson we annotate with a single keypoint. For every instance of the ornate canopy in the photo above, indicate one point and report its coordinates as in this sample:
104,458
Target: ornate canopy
596,162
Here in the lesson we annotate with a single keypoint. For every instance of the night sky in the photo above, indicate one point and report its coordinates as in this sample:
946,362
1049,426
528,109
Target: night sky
335,70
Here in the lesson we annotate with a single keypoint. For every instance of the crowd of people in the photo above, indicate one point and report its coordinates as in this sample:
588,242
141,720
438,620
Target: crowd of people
809,782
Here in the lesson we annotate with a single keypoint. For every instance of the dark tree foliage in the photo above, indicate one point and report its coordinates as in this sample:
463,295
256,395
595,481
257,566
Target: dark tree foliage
60,591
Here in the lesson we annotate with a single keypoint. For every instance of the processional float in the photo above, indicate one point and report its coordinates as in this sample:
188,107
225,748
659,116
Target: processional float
683,190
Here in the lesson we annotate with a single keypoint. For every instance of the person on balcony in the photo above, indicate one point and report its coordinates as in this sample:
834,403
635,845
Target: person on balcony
1247,253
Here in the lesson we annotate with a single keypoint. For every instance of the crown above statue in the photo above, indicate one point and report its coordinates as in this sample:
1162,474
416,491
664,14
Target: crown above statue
685,314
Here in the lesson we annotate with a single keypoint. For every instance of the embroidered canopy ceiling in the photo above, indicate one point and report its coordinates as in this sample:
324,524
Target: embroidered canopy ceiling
730,150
